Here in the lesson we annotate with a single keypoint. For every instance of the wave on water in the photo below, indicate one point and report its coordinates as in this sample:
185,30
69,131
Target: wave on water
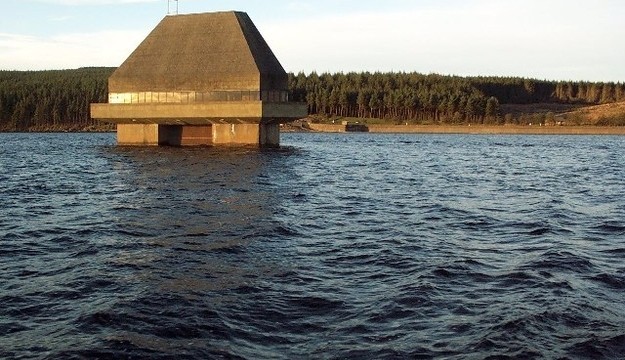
334,246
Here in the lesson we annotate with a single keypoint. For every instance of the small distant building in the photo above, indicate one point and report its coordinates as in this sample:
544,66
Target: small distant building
200,79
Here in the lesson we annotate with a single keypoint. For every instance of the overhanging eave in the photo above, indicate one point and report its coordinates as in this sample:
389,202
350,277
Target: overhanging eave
251,112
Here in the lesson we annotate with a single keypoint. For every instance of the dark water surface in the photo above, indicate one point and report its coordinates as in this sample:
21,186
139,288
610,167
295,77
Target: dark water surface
335,246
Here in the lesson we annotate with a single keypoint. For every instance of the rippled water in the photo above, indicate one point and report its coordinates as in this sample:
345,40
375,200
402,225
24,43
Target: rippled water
335,246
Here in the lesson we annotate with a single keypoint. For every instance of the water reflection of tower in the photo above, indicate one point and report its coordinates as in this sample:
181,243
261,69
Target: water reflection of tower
195,219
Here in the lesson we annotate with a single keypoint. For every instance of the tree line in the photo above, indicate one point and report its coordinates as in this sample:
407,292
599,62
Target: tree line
51,100
59,99
437,98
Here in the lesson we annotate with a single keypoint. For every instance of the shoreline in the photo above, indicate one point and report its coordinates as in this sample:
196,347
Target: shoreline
477,129
417,129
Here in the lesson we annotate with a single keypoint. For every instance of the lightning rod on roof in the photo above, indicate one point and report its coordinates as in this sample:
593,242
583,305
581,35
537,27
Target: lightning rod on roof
171,10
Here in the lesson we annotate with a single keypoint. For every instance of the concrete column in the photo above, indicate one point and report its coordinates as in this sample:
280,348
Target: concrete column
137,134
269,135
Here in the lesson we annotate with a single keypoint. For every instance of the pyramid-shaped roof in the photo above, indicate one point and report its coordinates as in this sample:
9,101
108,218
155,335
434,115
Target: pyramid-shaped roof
201,52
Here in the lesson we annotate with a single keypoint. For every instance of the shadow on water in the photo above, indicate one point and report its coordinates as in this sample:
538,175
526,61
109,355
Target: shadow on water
193,230
188,201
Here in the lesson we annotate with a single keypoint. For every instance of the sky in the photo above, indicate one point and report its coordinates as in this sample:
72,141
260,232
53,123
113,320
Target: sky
544,39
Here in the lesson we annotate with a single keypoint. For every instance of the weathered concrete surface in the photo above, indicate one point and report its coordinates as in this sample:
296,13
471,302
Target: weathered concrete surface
224,112
208,51
285,110
138,134
195,135
246,134
269,135
236,134
218,134
177,135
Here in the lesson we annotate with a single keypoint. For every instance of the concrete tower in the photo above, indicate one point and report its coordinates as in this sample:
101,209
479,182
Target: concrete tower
200,79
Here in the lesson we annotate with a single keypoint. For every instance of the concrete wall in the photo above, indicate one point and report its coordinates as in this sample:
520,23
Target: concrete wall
137,134
180,114
236,134
217,134
246,134
251,112
196,135
282,110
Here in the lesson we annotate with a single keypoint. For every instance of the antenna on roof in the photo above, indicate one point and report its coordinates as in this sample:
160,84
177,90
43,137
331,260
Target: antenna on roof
171,11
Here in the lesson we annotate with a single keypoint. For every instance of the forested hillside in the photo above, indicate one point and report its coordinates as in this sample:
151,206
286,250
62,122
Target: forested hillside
436,98
59,100
51,100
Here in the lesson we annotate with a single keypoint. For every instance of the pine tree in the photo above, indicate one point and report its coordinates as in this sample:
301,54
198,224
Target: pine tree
492,107
607,93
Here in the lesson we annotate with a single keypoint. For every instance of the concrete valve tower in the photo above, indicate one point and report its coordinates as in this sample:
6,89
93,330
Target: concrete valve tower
200,79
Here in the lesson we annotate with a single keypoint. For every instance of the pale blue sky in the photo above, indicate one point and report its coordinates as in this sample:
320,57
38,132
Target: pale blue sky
546,39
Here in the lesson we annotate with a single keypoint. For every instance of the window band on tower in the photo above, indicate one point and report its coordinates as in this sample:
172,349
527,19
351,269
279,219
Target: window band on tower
187,97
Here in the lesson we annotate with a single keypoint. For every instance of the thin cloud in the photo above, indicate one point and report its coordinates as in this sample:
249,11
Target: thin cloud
475,38
62,18
302,6
23,52
557,39
94,2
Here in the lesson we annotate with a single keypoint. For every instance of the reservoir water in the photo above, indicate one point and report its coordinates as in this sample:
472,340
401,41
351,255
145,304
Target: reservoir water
339,246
